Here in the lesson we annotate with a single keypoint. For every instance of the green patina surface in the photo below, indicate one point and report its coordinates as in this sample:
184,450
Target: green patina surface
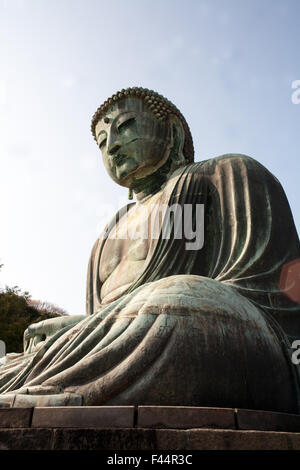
168,323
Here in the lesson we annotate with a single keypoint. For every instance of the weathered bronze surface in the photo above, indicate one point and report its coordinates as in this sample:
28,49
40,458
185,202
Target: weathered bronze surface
171,321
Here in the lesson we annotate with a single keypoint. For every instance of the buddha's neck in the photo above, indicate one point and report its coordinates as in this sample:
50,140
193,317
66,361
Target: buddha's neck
146,187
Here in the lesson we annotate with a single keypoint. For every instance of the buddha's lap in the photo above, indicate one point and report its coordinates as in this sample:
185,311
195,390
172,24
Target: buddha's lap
221,344
195,331
202,343
211,318
213,323
195,297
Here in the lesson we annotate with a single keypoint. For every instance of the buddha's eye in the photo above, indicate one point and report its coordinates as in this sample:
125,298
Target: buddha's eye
126,124
102,143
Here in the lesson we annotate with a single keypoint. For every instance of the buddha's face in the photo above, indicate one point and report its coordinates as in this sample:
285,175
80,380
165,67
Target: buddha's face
133,142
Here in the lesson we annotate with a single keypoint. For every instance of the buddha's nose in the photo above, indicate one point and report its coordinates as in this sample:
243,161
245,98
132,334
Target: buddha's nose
113,144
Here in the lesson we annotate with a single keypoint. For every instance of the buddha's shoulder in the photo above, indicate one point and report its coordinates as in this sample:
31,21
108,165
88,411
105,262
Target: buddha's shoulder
228,159
236,161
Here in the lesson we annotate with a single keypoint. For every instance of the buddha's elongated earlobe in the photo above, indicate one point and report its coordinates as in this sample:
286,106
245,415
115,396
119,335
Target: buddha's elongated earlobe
178,136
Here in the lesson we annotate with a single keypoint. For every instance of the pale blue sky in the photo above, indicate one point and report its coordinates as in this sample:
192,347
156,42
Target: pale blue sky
227,64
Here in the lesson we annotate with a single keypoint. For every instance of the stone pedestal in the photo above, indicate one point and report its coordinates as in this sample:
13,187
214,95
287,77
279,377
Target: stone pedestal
147,428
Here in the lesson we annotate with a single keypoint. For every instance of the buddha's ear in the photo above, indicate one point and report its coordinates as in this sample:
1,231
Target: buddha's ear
177,135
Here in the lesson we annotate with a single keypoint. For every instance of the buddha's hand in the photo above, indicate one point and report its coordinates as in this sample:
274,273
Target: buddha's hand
37,333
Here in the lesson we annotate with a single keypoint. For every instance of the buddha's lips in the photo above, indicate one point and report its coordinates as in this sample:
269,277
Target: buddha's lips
119,158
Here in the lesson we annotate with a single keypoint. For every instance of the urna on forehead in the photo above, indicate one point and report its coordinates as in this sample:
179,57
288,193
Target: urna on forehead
160,106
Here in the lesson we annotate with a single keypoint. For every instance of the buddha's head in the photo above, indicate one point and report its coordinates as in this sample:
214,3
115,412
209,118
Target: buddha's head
138,131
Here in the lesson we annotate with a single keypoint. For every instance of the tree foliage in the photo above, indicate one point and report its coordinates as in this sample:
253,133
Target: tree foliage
46,307
17,312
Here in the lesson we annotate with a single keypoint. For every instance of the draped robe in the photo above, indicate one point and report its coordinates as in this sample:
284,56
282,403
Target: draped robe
207,327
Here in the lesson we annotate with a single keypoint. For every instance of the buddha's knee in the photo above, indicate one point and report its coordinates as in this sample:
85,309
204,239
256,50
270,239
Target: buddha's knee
194,293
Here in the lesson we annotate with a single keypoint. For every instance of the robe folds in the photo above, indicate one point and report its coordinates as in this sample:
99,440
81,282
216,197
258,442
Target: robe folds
206,327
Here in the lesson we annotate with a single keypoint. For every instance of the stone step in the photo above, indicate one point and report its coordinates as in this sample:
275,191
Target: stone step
139,439
151,417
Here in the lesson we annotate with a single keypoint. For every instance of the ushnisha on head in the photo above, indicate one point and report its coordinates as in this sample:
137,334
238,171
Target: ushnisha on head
160,106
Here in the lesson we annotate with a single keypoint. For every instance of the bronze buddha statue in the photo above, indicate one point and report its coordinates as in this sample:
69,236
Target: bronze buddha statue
181,309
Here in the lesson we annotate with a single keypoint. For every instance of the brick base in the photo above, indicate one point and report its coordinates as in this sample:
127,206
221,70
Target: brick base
147,428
